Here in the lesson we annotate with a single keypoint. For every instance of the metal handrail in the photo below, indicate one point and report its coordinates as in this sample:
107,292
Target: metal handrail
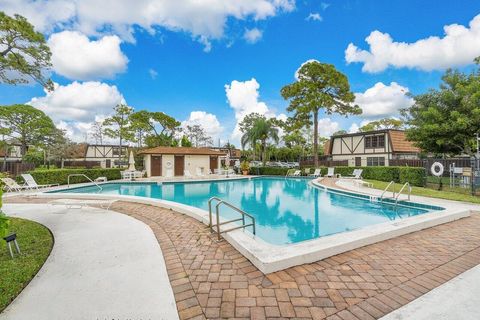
82,175
386,189
217,215
401,189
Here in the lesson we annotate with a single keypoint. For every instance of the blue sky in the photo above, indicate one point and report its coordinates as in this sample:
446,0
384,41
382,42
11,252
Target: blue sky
179,58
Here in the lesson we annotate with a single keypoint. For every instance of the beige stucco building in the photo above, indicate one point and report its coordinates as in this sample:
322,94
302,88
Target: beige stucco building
174,161
373,148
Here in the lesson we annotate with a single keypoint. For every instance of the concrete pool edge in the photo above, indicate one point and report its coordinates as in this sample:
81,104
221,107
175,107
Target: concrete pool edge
269,258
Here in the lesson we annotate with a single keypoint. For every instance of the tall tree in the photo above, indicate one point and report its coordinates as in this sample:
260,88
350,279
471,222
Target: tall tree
262,130
119,126
386,123
319,86
198,136
26,124
445,120
156,128
97,132
4,132
24,54
339,132
55,146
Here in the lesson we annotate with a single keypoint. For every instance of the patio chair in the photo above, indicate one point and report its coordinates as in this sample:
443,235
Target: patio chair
30,181
356,174
317,173
11,185
297,173
187,174
306,171
331,172
80,203
199,172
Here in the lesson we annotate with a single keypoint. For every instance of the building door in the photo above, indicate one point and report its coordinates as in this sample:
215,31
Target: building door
213,163
179,165
156,166
108,163
358,161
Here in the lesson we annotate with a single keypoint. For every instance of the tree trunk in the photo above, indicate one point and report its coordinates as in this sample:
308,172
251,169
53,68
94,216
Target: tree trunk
23,148
264,152
120,152
315,138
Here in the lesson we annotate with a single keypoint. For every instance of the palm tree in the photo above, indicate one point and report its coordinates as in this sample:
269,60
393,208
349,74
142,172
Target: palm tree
262,130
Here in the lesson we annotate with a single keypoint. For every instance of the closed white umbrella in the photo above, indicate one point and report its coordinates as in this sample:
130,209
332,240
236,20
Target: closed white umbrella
131,162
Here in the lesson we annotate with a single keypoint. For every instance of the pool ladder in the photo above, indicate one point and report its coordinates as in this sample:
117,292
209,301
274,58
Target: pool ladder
396,195
215,228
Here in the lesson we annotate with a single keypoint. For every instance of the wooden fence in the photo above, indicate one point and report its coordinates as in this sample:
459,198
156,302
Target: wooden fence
16,168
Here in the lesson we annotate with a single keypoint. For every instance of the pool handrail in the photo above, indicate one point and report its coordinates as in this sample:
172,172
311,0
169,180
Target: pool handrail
386,189
401,190
217,216
82,175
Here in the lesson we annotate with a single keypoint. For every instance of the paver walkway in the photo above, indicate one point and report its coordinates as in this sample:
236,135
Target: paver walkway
212,279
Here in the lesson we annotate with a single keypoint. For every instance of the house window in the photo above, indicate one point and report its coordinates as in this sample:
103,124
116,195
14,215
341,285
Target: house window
375,141
375,161
115,151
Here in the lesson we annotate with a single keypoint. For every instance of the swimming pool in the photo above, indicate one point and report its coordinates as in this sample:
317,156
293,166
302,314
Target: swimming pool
286,210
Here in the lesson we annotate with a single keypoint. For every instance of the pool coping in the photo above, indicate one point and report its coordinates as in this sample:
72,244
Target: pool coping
270,258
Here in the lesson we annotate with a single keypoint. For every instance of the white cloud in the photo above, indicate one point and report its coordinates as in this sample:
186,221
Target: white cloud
79,102
79,58
153,73
243,98
459,46
252,35
207,121
353,128
382,100
326,127
314,16
204,20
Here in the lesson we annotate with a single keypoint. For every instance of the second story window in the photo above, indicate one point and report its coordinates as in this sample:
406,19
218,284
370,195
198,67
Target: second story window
377,141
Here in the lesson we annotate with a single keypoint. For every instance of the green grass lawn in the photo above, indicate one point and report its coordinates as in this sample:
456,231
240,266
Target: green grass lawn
35,243
426,192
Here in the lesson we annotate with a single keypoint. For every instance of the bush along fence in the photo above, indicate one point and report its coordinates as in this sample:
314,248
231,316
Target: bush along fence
60,176
415,176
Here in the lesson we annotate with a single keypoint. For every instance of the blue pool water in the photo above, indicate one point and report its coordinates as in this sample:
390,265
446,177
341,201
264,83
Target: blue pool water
286,210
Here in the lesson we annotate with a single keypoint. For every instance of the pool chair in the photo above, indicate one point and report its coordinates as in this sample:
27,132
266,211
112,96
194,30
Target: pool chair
187,174
11,185
317,173
199,172
306,171
30,181
331,172
297,173
356,174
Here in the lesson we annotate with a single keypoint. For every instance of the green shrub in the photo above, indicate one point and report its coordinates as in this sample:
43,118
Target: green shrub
61,175
4,221
268,171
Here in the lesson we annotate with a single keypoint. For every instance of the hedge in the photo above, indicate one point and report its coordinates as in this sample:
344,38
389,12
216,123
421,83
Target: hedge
414,175
61,175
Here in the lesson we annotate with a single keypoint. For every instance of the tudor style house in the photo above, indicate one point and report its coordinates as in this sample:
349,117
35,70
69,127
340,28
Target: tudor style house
372,148
175,161
103,155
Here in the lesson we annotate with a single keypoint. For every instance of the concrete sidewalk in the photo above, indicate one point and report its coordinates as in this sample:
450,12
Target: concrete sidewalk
458,298
104,265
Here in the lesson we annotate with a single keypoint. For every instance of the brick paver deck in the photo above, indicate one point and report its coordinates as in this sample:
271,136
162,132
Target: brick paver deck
211,279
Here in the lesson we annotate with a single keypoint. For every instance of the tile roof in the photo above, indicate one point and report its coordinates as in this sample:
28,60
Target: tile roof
400,143
182,150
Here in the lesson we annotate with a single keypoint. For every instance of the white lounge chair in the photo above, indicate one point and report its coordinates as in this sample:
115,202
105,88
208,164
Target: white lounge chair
199,172
187,174
331,172
317,173
356,174
297,173
80,203
11,185
30,182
